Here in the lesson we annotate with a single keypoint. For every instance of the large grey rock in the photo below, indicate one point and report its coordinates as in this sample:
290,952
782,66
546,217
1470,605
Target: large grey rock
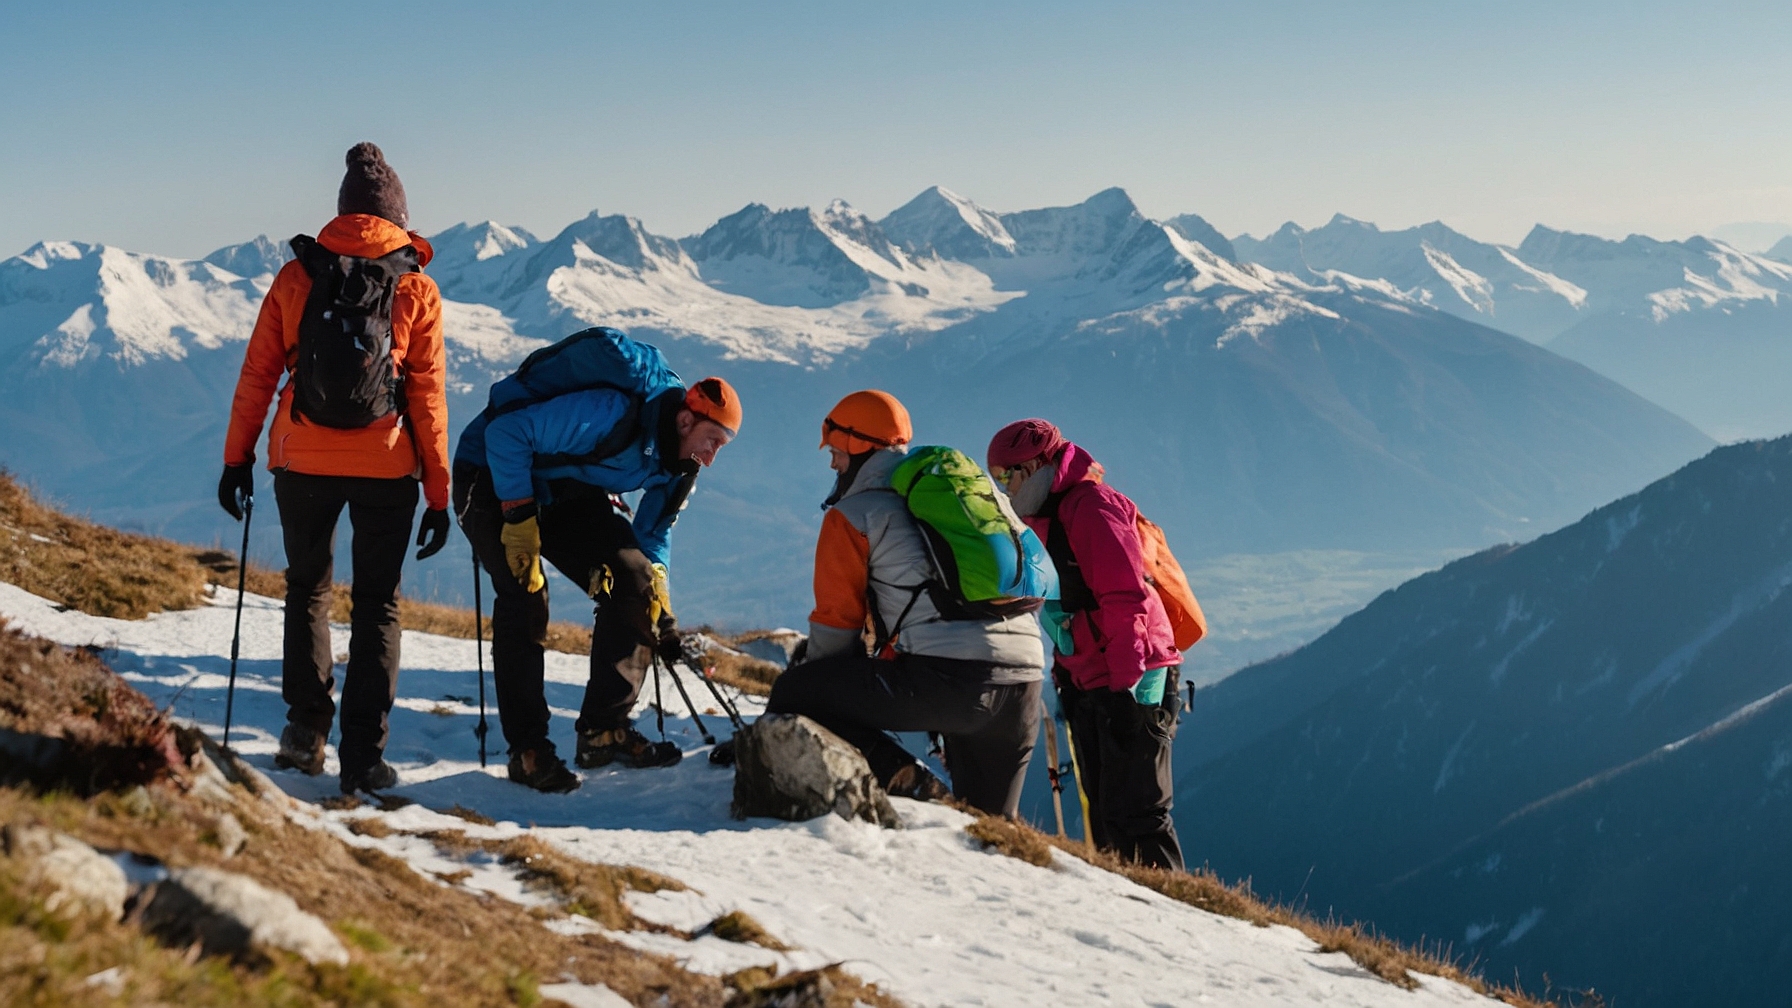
230,914
789,767
75,878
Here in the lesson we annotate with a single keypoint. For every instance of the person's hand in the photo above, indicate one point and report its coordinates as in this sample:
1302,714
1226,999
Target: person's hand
236,489
522,551
432,532
659,600
671,647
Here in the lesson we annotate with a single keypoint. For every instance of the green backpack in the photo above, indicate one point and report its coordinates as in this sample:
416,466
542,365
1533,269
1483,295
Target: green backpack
988,563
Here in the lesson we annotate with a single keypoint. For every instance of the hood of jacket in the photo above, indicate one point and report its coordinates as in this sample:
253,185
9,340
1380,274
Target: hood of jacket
368,237
1076,465
875,473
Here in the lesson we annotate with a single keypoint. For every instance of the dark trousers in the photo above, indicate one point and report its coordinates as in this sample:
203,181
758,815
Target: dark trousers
989,729
580,533
1123,764
379,512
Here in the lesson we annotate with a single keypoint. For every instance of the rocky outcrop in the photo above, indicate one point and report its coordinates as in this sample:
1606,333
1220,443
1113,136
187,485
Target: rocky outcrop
789,767
234,915
74,877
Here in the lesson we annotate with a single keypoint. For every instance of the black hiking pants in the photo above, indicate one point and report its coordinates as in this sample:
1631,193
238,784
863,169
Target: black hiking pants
1123,764
989,728
379,512
580,533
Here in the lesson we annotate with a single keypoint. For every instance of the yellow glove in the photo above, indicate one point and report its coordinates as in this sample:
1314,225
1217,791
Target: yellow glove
522,550
659,598
603,582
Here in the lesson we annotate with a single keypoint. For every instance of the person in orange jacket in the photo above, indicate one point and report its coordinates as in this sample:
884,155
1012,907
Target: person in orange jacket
356,329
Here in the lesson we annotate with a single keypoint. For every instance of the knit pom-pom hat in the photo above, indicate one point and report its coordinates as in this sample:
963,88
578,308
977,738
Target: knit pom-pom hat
372,187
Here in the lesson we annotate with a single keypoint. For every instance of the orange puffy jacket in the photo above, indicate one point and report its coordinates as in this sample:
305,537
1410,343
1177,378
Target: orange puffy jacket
386,448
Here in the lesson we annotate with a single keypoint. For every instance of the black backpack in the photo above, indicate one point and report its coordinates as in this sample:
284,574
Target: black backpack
345,376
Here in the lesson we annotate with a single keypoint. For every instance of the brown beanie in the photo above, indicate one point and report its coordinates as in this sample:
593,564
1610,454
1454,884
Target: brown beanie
372,187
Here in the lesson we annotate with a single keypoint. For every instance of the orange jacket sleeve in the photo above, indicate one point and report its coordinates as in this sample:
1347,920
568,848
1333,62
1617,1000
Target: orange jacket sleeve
425,369
264,362
842,572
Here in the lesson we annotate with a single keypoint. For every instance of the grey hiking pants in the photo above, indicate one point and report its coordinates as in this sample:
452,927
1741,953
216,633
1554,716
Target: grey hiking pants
989,728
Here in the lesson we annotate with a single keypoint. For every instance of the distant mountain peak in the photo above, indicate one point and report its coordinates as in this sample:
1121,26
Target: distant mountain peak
258,256
949,225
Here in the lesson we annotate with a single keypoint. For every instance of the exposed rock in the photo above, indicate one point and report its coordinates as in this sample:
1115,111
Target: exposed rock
75,877
789,767
231,835
231,914
806,989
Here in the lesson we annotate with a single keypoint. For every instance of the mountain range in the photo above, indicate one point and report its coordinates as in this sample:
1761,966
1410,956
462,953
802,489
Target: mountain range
1696,325
1248,409
1568,758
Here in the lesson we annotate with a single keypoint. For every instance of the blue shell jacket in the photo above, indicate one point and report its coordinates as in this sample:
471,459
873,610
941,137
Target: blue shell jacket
573,424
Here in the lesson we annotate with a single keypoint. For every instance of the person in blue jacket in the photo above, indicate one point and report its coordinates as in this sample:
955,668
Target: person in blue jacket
539,482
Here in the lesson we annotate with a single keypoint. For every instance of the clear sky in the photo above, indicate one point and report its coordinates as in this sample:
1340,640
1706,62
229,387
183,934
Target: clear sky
179,127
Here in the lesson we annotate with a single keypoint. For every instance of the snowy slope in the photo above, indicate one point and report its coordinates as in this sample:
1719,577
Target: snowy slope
921,911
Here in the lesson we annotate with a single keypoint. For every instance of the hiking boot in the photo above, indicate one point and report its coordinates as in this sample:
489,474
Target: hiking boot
542,770
917,782
301,749
377,777
626,746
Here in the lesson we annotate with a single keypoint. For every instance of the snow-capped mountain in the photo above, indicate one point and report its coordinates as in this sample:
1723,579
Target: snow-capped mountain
1567,757
254,258
1246,408
1695,325
1781,250
1433,265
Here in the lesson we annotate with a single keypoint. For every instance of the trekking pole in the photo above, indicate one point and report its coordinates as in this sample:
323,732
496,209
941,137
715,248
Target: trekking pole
481,728
1082,795
659,707
236,635
694,656
678,681
1053,770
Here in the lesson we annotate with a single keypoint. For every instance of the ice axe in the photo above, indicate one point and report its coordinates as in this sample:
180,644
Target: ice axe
236,635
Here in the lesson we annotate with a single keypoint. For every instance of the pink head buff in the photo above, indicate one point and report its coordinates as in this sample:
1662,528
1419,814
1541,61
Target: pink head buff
1023,440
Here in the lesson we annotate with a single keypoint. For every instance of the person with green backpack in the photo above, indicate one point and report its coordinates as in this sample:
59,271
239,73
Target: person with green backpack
920,553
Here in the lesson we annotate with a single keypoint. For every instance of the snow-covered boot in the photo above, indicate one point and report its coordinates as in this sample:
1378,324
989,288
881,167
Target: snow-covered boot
917,782
626,746
301,749
542,770
377,777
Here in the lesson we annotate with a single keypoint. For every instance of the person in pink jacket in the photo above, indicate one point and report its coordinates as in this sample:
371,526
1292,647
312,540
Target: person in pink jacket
1115,664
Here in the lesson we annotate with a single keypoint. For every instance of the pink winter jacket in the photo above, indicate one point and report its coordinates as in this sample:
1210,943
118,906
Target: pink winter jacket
1128,633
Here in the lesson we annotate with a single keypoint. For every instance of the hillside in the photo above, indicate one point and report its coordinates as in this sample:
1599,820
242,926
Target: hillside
1536,752
1280,412
639,883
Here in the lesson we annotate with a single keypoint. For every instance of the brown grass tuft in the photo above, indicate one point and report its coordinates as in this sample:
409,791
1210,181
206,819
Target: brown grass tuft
761,987
1377,953
1013,839
90,567
740,927
462,812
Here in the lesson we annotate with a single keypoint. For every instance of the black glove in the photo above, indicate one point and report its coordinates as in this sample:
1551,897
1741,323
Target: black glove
798,654
236,489
432,532
671,646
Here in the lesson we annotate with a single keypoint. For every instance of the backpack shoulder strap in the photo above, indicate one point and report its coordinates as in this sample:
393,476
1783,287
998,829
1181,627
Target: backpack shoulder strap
311,255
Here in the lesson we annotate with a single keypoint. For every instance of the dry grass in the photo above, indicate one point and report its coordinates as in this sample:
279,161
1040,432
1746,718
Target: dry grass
760,987
581,887
1377,953
90,567
739,926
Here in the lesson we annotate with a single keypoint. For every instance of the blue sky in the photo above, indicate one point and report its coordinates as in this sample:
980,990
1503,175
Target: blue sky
176,128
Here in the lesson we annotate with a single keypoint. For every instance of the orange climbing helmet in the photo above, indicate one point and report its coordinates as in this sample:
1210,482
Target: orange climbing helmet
866,421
